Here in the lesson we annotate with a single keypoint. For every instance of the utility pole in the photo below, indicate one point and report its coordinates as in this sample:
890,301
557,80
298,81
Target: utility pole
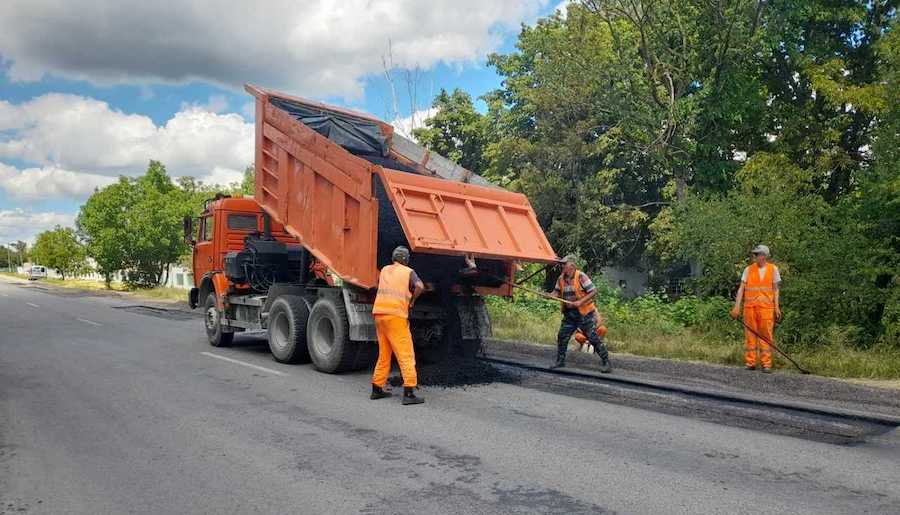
7,252
8,259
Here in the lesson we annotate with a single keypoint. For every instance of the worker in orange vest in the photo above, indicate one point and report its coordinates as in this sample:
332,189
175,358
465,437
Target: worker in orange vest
759,291
398,289
577,293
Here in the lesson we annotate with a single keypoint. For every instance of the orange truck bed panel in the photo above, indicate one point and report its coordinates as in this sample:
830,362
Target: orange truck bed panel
440,216
325,197
320,192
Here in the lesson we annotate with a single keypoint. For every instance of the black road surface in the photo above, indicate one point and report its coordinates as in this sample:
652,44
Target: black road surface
109,407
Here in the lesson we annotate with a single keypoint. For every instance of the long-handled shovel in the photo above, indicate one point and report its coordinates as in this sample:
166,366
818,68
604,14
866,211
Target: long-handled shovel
763,338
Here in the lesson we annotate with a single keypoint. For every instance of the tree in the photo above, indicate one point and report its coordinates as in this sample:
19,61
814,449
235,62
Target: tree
248,185
135,225
102,225
155,220
457,131
60,250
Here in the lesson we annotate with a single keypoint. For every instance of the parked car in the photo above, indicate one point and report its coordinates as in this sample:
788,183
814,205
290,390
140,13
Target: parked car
37,272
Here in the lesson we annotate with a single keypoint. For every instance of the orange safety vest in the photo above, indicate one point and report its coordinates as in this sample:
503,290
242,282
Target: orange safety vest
760,293
579,292
393,291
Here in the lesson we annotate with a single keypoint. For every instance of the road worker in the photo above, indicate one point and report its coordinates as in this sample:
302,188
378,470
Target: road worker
577,293
398,289
759,292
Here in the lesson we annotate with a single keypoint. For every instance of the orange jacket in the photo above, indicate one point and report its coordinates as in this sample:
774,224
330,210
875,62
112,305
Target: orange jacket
579,292
393,291
760,293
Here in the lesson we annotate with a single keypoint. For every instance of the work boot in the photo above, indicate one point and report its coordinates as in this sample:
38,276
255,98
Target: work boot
605,367
750,367
379,393
410,398
767,370
560,363
603,354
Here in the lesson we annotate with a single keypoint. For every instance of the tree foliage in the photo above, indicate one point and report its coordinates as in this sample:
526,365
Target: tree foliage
135,225
675,133
456,131
60,250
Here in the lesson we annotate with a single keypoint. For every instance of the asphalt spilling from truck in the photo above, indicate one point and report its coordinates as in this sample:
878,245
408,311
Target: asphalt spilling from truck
459,372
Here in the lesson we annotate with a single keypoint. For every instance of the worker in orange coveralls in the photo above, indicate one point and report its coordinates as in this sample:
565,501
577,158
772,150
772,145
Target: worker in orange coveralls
398,289
759,291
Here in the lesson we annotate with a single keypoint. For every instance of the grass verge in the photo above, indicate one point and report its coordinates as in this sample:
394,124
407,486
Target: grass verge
164,294
634,329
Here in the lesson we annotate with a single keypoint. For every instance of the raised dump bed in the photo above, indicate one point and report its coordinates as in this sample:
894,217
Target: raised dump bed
320,170
336,192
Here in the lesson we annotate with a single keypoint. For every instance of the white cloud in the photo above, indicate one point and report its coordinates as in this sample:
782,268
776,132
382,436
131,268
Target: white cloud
563,7
416,120
44,183
222,177
314,48
19,224
215,104
85,135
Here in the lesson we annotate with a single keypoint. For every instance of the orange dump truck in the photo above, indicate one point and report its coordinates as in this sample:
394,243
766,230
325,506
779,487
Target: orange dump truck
336,192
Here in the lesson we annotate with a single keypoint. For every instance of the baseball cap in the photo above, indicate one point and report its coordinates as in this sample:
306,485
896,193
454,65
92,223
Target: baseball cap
761,249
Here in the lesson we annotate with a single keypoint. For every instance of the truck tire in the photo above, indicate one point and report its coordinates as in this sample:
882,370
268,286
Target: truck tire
213,321
327,335
288,317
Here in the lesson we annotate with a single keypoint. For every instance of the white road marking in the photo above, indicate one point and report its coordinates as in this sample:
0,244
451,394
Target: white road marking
4,294
32,305
86,321
238,362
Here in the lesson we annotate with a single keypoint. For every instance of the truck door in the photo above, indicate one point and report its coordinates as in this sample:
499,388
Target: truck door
204,249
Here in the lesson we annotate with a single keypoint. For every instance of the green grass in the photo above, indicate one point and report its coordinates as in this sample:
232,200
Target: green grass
162,294
645,328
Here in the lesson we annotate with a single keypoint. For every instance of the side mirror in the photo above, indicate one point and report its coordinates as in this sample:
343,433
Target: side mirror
189,231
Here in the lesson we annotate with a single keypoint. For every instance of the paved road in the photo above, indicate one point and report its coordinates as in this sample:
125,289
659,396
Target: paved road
108,410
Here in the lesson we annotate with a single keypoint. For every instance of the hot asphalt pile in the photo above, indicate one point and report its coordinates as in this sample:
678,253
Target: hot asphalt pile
458,372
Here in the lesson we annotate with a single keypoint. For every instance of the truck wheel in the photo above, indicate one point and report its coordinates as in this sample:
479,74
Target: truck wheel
213,321
328,337
288,317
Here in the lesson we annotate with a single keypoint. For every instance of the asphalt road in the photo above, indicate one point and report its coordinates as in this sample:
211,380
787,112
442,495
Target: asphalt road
111,410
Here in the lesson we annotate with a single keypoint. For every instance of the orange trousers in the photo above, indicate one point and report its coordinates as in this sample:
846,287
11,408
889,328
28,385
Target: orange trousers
394,338
761,320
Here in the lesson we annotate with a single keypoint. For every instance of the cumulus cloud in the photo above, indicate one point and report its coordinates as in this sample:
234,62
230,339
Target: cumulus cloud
85,135
315,48
416,120
215,104
19,224
50,182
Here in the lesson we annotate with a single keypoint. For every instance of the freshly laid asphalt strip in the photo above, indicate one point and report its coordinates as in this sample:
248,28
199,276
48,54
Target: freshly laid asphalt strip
779,387
803,407
130,416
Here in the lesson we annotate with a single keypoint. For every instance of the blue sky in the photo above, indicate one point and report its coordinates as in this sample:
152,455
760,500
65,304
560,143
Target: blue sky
86,96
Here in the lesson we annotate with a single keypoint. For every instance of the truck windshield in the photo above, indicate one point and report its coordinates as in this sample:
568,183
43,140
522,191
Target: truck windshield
242,222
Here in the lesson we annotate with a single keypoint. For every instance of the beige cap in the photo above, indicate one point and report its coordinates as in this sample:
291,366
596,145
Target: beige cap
761,249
